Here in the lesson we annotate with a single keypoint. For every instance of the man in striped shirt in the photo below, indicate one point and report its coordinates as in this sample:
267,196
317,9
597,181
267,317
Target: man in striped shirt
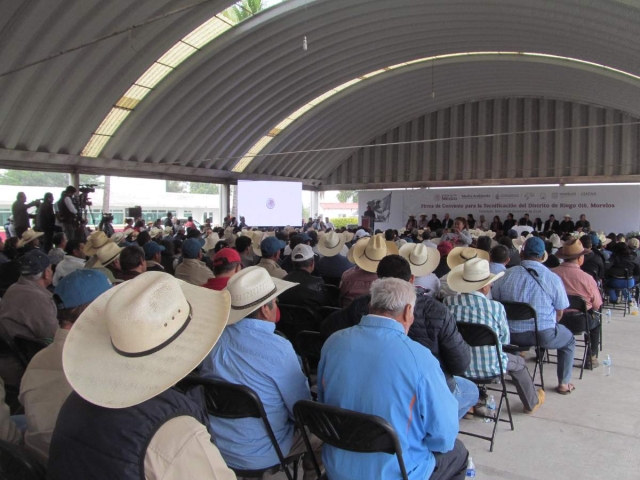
473,282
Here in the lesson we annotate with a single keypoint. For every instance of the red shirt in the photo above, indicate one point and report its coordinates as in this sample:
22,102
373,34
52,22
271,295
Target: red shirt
217,283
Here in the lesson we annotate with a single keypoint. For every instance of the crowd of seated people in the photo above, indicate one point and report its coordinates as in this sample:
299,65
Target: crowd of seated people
123,317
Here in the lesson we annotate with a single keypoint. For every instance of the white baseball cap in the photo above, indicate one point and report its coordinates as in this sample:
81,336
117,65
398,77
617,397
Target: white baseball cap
301,252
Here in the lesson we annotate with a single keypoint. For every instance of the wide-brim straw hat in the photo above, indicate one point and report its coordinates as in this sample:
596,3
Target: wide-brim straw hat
256,239
367,255
518,242
331,244
471,276
95,241
555,240
348,236
155,231
250,289
422,259
27,237
107,254
460,255
571,250
210,242
140,338
116,238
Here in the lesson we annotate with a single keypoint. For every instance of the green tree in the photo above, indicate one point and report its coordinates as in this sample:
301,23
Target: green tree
246,9
44,179
177,187
206,188
345,195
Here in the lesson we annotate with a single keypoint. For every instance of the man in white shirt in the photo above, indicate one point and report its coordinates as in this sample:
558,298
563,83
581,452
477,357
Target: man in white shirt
73,260
328,224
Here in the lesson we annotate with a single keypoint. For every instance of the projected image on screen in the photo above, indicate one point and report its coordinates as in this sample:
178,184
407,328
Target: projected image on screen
270,204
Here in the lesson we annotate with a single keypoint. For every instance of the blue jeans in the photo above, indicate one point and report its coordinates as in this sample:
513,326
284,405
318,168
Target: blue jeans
467,394
614,284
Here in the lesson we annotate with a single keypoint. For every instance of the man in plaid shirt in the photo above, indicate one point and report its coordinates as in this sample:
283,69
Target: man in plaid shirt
473,281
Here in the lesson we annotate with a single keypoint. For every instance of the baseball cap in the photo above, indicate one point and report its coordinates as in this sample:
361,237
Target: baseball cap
305,237
361,233
34,262
271,245
81,286
301,252
512,234
225,256
634,243
534,247
191,248
151,248
594,239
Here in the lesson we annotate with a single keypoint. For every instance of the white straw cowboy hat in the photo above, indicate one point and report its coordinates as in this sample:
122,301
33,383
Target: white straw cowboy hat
95,241
155,231
348,236
250,289
367,255
331,244
256,240
210,242
460,255
116,238
422,259
518,242
27,237
555,240
471,276
107,254
140,338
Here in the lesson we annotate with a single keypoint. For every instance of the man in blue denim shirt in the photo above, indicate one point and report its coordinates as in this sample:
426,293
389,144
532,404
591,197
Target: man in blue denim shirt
249,353
375,368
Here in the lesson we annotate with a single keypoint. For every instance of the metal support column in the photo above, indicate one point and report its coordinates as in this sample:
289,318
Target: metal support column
224,202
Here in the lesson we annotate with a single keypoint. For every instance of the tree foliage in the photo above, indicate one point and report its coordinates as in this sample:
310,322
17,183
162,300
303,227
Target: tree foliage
345,195
29,178
246,8
343,222
192,187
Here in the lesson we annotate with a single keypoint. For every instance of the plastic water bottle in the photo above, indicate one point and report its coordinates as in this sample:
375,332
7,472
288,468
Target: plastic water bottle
606,366
608,315
471,469
491,408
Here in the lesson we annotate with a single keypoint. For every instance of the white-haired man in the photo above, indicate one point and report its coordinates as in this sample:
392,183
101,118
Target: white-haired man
422,409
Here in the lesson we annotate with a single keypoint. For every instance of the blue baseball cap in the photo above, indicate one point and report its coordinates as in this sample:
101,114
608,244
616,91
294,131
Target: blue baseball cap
191,247
81,286
34,262
270,246
534,247
595,240
151,248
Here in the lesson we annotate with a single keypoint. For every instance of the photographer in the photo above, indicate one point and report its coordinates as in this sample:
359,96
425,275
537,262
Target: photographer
67,212
106,224
20,214
46,221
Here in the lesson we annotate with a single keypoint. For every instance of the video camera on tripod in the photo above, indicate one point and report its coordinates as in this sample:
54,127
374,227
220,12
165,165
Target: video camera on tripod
83,197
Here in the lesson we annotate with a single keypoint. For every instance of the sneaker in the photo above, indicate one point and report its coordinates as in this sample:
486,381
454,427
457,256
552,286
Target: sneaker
541,397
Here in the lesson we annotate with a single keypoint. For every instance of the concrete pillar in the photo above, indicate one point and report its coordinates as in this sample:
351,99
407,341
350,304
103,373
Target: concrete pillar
224,202
75,179
314,204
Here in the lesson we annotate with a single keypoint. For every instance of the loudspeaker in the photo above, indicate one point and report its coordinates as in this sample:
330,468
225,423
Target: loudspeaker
133,212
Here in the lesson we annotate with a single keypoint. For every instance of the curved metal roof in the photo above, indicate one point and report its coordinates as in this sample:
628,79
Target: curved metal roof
216,105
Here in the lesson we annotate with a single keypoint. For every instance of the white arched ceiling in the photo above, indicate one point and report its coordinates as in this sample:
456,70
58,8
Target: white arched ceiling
207,114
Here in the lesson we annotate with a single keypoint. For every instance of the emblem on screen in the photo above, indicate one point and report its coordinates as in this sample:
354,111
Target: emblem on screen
271,203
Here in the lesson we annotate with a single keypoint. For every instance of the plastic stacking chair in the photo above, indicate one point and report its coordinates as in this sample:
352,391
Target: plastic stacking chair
231,401
477,335
519,312
28,347
17,464
295,319
347,430
578,323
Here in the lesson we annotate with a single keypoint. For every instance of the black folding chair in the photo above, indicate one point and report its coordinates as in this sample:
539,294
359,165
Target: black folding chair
17,464
324,312
231,401
332,281
309,348
477,335
295,319
520,312
578,323
28,347
334,293
347,430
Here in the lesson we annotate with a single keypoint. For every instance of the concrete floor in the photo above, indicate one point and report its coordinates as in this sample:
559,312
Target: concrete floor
594,433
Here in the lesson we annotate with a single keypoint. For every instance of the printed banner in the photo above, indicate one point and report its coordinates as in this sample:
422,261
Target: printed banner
607,207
